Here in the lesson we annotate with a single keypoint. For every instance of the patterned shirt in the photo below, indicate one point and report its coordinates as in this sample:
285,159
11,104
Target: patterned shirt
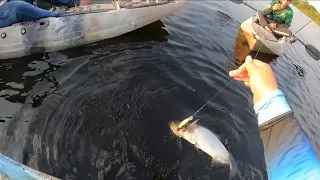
283,16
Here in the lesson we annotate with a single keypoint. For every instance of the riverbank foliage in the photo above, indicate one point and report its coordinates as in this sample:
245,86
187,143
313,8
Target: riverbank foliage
308,9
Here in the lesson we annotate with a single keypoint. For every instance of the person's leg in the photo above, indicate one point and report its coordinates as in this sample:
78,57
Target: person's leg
19,11
70,3
27,1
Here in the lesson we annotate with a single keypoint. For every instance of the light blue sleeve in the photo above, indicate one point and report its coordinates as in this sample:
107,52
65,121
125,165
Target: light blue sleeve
289,155
270,106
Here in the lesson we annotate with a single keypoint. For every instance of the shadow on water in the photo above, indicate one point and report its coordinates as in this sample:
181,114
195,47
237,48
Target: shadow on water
19,75
242,50
154,32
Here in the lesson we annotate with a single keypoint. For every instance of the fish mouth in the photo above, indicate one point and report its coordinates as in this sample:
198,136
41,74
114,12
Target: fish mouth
174,126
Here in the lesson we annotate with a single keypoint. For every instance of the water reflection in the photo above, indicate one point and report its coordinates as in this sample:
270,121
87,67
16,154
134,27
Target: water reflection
29,80
19,75
242,50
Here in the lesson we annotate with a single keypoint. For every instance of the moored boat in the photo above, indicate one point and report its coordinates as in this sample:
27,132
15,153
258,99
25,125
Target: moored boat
81,25
259,39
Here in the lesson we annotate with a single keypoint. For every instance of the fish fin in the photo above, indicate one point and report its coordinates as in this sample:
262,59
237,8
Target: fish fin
193,124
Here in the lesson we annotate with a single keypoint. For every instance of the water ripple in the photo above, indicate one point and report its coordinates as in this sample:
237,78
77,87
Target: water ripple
101,111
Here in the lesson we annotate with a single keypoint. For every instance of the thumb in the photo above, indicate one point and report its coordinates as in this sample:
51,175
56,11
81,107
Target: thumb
248,59
250,65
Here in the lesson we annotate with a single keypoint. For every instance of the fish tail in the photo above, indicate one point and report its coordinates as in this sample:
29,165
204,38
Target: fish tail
233,168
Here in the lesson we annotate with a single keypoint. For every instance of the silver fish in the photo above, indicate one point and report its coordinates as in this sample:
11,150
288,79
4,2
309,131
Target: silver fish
207,141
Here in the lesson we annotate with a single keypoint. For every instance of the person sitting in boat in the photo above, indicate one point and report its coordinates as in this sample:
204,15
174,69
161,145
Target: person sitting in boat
15,11
289,154
277,17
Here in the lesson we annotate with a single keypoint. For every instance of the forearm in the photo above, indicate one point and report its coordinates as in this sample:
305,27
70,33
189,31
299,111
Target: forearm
288,153
271,105
283,26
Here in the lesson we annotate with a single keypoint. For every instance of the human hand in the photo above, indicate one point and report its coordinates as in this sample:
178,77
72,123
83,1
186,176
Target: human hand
258,76
277,6
273,25
268,29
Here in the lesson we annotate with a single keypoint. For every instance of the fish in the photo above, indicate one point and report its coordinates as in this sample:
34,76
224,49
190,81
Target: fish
205,140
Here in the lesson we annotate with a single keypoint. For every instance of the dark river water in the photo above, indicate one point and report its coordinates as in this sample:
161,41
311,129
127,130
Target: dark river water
101,111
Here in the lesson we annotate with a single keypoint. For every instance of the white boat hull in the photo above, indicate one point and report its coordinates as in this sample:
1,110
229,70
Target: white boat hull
53,34
257,42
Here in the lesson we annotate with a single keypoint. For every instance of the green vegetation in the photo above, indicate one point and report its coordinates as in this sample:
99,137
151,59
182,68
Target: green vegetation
307,9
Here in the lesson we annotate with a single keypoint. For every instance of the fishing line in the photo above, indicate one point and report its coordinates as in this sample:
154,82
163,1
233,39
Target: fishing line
185,121
229,80
302,27
211,99
220,89
305,25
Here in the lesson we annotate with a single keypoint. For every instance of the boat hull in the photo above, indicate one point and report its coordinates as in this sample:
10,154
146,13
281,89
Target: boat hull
53,34
13,170
256,42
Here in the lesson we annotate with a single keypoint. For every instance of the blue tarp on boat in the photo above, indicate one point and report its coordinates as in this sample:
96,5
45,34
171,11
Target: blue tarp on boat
13,170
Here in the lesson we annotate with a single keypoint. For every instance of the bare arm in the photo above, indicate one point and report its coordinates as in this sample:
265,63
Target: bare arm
283,26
